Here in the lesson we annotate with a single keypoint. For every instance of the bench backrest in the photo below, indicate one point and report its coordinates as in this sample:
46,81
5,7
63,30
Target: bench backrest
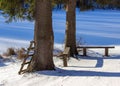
66,51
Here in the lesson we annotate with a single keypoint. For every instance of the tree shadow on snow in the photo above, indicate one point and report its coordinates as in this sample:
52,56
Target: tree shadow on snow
2,63
113,57
98,59
81,73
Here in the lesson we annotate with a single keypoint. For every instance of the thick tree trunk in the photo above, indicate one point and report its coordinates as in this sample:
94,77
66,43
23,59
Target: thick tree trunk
44,39
70,40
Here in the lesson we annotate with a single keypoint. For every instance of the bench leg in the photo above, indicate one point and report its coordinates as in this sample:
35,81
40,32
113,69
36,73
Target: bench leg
106,51
65,61
84,52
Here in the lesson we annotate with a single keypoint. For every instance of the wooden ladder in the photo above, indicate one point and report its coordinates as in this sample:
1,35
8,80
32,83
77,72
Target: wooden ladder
29,57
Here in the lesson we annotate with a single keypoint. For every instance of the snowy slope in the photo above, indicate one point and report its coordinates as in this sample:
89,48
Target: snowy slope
100,25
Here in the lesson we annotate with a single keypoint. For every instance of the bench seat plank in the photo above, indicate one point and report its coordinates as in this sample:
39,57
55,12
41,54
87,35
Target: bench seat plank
85,47
95,47
66,51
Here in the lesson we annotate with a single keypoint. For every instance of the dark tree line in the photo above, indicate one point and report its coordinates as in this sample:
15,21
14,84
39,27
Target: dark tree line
98,4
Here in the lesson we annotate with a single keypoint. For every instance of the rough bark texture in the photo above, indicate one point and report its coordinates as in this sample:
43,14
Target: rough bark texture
70,40
44,39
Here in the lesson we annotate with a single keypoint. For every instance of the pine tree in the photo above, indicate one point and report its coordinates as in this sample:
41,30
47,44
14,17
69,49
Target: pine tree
41,12
17,10
70,39
44,39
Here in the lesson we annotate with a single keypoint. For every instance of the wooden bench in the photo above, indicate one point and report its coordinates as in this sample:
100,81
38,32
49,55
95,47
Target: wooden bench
104,47
66,53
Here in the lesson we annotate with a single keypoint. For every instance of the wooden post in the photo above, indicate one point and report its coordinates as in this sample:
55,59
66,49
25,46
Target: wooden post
65,60
65,56
106,51
84,51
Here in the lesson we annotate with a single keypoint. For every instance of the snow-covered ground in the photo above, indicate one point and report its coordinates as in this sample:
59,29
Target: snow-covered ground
95,27
93,70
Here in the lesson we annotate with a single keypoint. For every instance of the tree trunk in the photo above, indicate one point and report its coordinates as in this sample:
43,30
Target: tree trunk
44,39
70,40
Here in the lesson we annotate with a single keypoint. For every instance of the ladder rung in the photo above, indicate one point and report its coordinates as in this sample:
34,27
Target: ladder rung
32,41
22,71
31,55
25,63
32,48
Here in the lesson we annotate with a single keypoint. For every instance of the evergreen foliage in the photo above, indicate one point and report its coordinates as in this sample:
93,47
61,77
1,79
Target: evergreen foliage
17,9
24,9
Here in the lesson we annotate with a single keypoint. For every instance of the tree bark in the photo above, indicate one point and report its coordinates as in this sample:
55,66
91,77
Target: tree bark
44,38
70,39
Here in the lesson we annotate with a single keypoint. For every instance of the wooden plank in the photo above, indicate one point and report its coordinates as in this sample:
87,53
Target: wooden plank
95,47
32,41
66,51
65,56
104,47
22,71
30,54
32,48
25,63
65,61
27,56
